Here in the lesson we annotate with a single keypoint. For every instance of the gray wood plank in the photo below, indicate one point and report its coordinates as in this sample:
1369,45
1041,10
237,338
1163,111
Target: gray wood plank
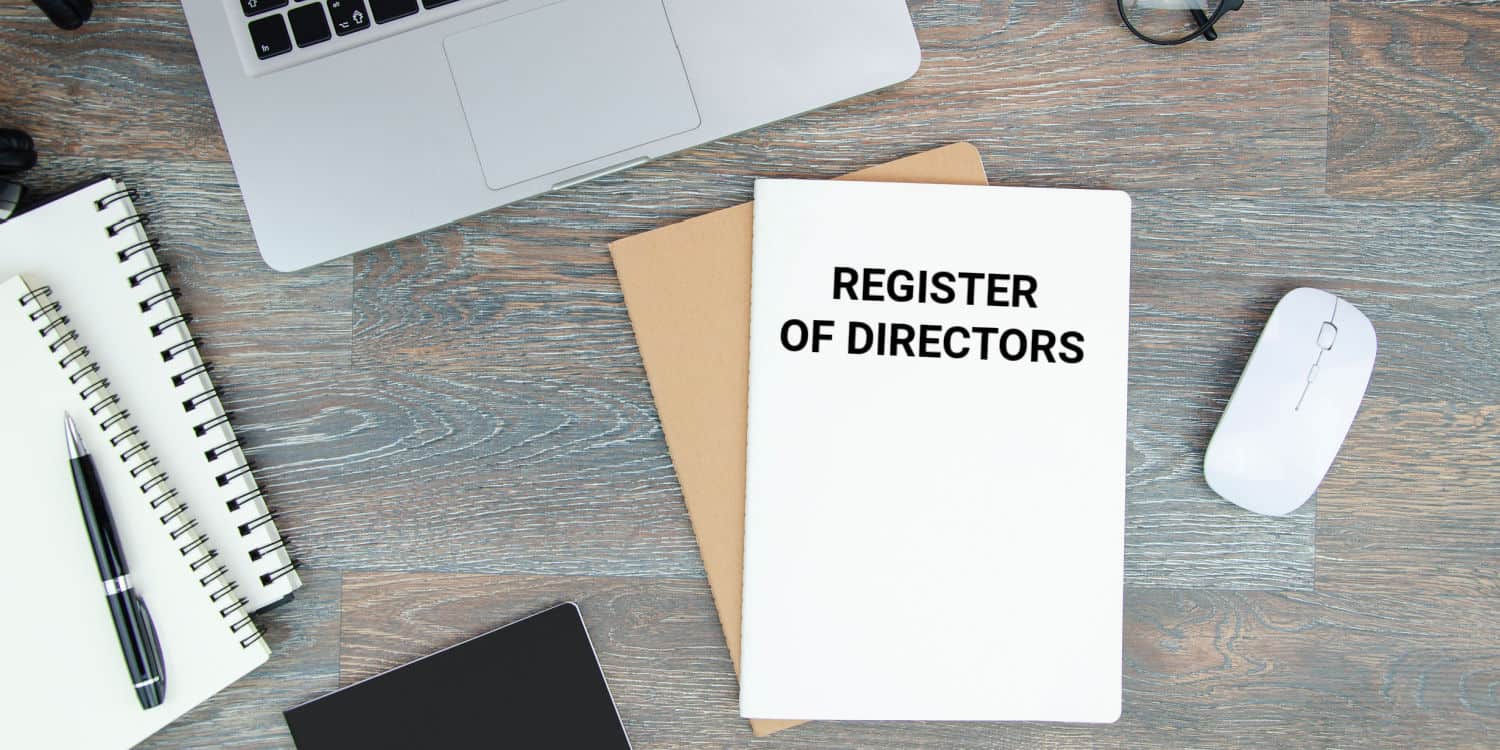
125,86
493,472
1410,503
1412,101
304,637
1206,669
1061,94
1426,274
463,303
523,470
1206,275
1054,92
1426,518
495,419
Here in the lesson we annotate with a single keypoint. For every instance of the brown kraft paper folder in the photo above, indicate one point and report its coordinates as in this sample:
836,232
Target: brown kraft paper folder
687,287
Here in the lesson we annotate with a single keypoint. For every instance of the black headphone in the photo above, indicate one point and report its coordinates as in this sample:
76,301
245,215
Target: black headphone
17,154
67,14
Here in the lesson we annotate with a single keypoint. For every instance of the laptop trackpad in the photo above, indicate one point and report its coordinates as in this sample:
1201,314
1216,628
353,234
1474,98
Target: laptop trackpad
569,83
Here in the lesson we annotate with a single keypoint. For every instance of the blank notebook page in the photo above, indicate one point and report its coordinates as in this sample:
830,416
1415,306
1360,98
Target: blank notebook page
65,681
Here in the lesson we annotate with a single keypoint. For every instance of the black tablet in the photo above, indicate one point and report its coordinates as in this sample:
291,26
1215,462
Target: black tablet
532,684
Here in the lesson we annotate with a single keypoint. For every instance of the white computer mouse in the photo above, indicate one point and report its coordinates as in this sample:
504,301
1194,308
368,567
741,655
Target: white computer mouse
1293,405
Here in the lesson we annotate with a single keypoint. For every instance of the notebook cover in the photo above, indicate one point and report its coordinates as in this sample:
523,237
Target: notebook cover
936,453
687,287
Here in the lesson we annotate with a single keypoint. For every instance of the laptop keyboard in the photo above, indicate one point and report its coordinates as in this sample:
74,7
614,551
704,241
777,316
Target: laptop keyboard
276,29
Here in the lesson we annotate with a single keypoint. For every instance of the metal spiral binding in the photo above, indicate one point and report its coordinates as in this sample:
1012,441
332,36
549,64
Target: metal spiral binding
83,373
103,406
197,400
167,497
136,472
234,606
170,353
263,550
266,579
137,248
233,474
218,451
159,269
137,448
239,501
47,309
202,368
175,512
213,553
261,520
123,224
117,195
181,319
151,302
35,295
62,321
202,428
76,354
215,574
99,385
68,336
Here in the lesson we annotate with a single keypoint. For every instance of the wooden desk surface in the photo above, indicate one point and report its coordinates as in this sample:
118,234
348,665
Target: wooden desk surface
456,429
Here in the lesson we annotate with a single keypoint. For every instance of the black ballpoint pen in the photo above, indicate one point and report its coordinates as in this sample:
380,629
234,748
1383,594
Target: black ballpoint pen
143,658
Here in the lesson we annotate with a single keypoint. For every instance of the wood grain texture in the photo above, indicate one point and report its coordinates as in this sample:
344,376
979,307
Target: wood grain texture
244,312
1203,281
125,86
1206,669
512,471
1428,520
304,637
1049,91
471,401
1415,488
1413,503
1414,101
530,408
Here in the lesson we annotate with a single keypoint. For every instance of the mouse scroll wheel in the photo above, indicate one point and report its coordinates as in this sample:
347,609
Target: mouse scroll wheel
1326,336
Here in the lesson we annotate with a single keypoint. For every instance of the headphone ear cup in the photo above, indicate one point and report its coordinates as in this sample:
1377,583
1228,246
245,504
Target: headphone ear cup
67,14
17,152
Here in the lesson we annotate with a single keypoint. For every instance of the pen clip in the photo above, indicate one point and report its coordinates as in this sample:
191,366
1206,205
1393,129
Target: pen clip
155,661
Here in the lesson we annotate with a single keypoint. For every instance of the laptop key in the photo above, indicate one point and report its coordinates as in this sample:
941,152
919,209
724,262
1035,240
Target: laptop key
269,37
309,25
348,16
256,7
390,10
430,4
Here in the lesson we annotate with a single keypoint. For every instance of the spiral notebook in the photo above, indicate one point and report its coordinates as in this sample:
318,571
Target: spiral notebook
90,247
65,679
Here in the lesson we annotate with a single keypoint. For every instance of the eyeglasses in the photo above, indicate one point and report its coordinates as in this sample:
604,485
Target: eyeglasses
1169,22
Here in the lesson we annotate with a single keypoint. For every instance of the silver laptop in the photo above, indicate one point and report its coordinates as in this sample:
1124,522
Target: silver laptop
352,123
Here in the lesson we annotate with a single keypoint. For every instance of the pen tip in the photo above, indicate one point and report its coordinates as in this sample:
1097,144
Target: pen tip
75,443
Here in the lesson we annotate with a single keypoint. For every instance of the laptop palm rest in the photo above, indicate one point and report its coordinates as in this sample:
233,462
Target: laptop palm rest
569,84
